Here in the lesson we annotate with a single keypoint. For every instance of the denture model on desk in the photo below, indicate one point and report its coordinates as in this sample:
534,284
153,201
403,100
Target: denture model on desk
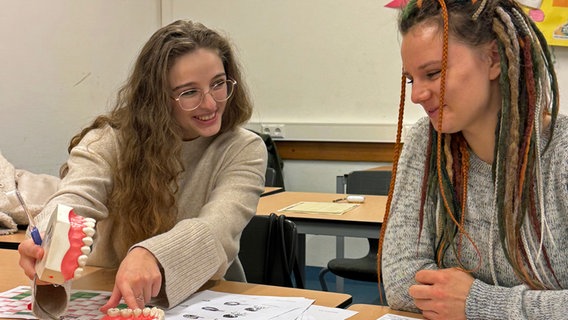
136,314
67,244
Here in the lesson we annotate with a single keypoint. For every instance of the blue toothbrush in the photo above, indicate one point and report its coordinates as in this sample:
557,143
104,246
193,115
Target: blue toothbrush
33,229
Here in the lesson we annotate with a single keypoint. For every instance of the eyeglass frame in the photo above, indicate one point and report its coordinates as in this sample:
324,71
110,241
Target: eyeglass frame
203,94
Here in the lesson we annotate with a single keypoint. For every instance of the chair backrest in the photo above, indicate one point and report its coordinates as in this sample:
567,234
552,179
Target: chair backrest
270,177
268,251
372,182
274,163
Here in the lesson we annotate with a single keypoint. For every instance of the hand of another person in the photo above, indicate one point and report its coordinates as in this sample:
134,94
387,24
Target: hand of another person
138,280
441,294
29,254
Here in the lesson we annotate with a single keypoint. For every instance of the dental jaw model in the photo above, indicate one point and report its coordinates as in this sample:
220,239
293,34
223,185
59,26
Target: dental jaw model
136,314
66,246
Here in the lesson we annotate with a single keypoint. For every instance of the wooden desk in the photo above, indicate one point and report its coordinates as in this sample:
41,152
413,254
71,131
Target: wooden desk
381,168
95,278
353,223
11,241
271,190
361,222
368,311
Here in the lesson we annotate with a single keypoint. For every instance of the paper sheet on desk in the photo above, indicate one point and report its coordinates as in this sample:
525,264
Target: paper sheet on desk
389,316
207,305
84,304
319,207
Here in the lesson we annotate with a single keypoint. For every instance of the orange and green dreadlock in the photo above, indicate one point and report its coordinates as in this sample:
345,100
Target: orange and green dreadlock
529,92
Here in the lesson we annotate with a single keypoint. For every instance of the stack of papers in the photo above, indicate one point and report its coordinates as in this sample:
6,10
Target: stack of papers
320,207
204,305
219,305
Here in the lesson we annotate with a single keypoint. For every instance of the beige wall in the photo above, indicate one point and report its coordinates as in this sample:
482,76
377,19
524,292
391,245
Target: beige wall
318,61
61,62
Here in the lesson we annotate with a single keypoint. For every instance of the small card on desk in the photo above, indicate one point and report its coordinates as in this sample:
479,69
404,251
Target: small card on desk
319,207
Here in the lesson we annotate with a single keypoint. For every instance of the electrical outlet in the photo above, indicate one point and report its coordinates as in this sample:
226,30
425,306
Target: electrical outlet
274,130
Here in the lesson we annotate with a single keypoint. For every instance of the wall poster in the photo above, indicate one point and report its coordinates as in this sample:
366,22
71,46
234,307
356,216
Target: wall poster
551,17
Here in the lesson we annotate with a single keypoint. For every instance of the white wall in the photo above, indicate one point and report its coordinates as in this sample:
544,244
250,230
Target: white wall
62,62
319,61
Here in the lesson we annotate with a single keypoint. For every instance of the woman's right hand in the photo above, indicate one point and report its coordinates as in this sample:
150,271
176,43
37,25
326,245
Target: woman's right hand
29,254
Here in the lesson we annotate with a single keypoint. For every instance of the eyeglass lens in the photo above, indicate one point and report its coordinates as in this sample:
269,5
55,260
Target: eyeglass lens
220,91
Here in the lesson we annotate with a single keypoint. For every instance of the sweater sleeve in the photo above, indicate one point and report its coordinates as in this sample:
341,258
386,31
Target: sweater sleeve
404,253
201,248
88,181
490,302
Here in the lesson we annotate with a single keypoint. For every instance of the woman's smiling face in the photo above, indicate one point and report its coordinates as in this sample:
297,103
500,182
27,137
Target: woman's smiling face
471,101
199,69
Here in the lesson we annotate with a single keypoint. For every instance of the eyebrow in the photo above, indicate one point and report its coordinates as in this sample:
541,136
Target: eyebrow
188,84
421,67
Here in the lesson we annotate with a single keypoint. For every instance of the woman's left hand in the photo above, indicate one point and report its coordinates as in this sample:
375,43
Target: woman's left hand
138,280
441,294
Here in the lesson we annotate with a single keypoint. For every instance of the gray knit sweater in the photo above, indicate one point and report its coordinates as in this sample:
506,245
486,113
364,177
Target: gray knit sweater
497,293
218,194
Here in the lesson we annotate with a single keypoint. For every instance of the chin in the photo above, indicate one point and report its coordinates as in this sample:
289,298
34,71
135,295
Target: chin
210,131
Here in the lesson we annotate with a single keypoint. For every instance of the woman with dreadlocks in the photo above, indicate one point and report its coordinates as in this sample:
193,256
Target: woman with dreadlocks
477,220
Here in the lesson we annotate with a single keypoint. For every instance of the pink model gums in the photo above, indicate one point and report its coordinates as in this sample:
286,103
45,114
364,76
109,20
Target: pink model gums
66,245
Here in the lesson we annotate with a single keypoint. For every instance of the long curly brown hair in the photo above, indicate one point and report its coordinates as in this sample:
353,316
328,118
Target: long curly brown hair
142,202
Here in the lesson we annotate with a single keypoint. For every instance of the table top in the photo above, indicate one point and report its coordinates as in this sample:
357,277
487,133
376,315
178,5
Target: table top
95,278
371,312
271,190
11,241
371,211
381,168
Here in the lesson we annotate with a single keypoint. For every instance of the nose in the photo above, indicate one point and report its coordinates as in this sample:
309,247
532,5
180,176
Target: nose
208,100
420,93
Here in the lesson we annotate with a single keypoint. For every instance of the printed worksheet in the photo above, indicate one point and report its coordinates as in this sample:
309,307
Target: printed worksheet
84,304
389,316
204,305
213,305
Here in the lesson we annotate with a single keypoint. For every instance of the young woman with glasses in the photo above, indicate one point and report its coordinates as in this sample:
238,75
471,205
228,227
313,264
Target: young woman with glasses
169,174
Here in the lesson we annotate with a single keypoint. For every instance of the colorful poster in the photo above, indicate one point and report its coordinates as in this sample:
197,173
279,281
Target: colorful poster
551,17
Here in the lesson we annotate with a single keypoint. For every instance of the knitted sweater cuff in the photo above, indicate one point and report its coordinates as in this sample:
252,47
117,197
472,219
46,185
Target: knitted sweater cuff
488,301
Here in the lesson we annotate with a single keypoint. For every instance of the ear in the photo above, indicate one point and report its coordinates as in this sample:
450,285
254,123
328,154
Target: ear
494,60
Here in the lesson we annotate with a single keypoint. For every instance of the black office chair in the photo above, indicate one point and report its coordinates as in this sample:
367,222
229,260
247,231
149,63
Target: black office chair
364,268
268,251
275,165
270,177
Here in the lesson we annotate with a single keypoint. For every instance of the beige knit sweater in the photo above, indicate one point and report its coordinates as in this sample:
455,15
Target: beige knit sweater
218,195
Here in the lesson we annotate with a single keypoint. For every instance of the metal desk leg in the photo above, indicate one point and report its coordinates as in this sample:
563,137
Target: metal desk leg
339,253
302,254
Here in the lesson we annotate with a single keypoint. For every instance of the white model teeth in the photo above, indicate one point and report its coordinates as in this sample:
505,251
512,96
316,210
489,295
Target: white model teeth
128,313
88,241
113,312
125,313
89,222
158,313
78,273
82,260
89,231
85,249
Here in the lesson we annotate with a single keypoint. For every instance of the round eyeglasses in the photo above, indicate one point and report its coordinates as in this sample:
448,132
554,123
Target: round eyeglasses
220,91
